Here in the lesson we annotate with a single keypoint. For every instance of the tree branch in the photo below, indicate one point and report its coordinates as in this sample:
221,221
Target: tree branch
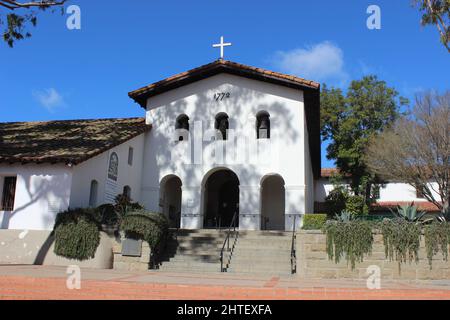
12,5
440,23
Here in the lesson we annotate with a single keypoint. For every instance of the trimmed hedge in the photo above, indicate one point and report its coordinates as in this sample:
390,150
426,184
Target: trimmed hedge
148,226
314,221
77,234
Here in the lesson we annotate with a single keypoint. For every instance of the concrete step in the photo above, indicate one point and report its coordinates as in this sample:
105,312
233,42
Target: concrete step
192,258
256,253
193,251
264,233
262,252
265,252
191,270
283,264
194,245
200,235
190,262
265,239
198,271
260,242
262,247
185,266
204,232
196,251
283,260
254,271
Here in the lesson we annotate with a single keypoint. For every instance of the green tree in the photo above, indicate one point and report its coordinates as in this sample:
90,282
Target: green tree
341,199
20,16
437,12
350,120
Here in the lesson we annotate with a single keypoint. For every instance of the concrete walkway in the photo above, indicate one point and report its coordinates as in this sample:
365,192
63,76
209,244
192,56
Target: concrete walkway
37,282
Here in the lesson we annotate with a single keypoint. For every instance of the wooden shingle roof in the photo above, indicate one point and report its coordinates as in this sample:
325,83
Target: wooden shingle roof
68,141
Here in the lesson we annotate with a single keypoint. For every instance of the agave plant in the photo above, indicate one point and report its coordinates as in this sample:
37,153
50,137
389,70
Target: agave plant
409,213
444,216
344,216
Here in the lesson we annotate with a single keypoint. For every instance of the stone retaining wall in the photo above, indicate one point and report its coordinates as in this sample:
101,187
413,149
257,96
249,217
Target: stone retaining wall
141,263
23,247
313,263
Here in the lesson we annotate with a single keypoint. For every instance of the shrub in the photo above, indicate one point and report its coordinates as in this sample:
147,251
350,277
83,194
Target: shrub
77,234
356,205
314,221
106,214
335,201
437,239
112,214
340,199
401,240
350,240
123,204
150,227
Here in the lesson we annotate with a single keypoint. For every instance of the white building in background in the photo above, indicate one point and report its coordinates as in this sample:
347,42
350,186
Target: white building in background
218,141
391,194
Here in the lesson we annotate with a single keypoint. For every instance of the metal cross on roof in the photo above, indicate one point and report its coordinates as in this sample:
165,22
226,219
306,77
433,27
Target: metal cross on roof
221,45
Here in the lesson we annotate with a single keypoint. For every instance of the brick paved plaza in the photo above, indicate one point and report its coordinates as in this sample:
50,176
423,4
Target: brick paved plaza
35,282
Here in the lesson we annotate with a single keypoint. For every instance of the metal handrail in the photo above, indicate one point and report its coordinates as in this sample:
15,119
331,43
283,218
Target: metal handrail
226,243
293,249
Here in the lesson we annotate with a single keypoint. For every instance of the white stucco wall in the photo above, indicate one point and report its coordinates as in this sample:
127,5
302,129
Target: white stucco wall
322,189
97,169
41,192
309,175
390,192
44,190
247,97
397,191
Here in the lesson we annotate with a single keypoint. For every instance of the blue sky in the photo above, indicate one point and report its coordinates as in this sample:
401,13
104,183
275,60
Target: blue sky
87,73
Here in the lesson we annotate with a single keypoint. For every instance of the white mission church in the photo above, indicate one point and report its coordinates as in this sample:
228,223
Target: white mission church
220,140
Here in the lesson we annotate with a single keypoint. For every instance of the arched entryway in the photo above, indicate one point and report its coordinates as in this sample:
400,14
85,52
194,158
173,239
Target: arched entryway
272,203
171,199
220,192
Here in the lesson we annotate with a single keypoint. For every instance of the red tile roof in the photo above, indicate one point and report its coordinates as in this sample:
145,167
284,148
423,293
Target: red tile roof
421,205
219,66
328,172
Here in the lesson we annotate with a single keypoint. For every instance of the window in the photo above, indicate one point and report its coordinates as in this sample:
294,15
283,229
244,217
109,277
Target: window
8,194
222,125
182,128
263,125
93,194
127,192
113,169
130,156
